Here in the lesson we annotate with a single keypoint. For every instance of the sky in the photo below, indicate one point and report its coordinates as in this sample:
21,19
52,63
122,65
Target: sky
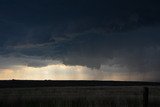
80,40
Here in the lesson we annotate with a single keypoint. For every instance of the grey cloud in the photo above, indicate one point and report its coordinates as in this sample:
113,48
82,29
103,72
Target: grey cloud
136,49
10,61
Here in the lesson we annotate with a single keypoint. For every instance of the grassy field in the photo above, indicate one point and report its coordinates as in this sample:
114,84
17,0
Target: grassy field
82,96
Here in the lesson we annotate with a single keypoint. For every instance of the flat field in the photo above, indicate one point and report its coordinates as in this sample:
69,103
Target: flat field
78,96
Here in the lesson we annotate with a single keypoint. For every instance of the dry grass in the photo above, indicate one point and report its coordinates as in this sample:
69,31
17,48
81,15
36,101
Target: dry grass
78,97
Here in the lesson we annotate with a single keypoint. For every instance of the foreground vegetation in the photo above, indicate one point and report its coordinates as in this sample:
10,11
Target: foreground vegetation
91,96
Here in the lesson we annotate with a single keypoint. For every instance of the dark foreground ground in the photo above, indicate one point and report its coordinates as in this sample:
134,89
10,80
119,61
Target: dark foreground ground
77,94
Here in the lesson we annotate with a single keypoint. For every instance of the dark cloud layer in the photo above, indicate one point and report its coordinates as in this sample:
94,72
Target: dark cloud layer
83,32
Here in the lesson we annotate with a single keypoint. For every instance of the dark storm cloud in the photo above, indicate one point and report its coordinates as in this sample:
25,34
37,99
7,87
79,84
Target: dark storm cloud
131,49
83,32
11,61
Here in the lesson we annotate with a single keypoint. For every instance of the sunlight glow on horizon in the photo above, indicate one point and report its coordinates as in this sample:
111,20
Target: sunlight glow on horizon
62,72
